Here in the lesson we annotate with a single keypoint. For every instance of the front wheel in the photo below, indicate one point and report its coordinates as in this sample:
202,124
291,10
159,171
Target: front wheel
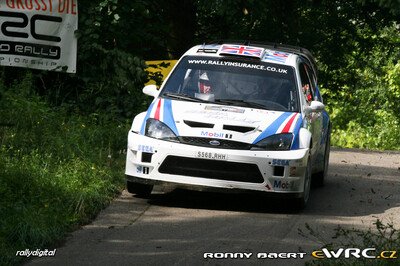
301,202
319,178
142,190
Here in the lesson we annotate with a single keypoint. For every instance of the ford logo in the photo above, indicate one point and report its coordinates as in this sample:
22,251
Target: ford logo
215,142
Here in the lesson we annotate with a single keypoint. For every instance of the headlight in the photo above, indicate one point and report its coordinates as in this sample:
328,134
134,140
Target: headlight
158,130
278,142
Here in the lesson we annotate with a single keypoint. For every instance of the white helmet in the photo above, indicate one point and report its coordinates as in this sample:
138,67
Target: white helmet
204,84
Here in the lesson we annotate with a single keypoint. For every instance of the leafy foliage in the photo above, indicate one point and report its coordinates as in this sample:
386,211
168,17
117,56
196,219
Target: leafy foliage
374,94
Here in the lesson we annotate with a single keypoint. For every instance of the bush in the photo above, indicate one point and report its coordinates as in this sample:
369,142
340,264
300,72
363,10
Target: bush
366,111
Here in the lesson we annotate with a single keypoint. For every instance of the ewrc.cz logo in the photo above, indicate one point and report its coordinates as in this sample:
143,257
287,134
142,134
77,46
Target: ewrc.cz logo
367,253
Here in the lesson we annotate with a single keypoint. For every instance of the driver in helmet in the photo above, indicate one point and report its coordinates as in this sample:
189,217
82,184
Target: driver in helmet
205,84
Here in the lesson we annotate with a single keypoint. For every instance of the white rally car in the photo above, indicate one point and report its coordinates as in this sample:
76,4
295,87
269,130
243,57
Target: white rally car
233,116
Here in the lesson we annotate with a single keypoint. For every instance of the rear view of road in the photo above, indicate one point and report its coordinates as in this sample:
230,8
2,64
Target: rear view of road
177,227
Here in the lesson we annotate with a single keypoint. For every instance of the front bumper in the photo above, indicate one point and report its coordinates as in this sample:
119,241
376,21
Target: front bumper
153,161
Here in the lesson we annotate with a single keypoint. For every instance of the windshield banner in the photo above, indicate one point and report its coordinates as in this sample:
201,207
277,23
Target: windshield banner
238,64
39,34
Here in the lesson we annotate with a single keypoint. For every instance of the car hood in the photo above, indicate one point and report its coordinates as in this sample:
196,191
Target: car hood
214,121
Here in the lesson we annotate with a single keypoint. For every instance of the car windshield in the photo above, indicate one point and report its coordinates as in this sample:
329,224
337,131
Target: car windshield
232,82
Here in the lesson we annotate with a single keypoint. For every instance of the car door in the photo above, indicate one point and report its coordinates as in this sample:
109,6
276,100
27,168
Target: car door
313,121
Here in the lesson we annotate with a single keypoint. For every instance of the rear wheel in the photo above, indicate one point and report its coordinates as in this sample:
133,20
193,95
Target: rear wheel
142,190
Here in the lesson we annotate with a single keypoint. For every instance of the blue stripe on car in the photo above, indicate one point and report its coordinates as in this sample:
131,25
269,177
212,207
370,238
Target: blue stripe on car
168,118
296,131
146,117
271,130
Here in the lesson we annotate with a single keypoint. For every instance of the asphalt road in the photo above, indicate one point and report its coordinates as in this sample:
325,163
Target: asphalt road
178,227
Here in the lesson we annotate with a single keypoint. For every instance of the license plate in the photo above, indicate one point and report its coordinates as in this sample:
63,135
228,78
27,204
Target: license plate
211,155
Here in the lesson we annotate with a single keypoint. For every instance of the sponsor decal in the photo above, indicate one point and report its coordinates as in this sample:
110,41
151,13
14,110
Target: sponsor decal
241,50
276,56
39,34
212,134
215,135
282,184
239,64
224,109
224,115
142,169
145,148
280,162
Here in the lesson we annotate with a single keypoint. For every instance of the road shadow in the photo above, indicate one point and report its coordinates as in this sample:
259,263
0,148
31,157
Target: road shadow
349,190
239,202
356,190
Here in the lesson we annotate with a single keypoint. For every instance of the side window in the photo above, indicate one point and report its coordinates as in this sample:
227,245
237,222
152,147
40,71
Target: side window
314,88
317,92
306,84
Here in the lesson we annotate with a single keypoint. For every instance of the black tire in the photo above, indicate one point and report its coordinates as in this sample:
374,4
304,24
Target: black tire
319,178
141,190
300,203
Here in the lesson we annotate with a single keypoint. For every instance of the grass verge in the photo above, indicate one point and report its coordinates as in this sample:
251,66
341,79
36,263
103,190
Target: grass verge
58,169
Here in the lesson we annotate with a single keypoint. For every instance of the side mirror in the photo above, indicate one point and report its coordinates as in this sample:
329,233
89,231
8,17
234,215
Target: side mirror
151,90
315,107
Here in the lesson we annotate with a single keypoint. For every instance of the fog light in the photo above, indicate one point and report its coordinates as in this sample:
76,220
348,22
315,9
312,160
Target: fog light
279,170
146,157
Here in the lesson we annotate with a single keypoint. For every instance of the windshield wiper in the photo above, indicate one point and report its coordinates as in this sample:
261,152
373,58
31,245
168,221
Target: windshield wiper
241,103
182,97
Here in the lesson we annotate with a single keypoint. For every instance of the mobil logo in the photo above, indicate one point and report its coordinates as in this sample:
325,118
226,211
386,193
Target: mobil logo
212,134
282,184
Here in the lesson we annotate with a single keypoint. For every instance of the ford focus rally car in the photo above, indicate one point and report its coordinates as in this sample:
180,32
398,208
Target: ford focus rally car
233,116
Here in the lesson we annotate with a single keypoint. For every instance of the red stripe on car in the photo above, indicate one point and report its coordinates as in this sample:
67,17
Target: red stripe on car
289,124
157,113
